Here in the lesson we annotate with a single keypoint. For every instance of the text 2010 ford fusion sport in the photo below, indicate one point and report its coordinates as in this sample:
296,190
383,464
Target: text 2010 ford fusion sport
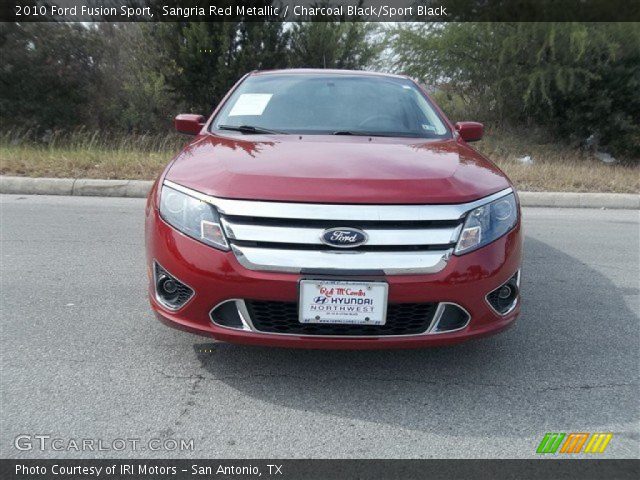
333,209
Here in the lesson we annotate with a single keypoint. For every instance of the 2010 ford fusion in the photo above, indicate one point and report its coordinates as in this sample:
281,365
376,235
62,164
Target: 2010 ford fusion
333,209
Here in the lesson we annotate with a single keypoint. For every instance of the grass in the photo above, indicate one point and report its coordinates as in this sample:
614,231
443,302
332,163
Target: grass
556,167
88,155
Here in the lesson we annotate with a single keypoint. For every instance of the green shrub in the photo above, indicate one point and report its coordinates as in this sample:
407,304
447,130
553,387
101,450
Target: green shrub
576,79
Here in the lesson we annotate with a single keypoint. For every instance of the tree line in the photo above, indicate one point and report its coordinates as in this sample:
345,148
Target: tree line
579,81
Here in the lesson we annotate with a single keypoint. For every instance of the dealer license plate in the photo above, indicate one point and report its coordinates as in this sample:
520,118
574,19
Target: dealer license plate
353,303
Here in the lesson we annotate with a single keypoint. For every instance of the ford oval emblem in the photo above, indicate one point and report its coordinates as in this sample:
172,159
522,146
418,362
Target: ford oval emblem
343,237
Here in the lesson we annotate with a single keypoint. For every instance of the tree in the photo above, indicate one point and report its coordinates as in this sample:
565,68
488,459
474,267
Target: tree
554,74
340,43
146,102
134,77
203,60
46,74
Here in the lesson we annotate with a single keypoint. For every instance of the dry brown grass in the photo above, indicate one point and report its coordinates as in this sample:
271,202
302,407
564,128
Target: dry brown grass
88,155
556,167
586,176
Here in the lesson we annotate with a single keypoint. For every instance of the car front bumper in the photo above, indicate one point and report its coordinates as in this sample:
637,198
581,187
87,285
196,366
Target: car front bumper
217,276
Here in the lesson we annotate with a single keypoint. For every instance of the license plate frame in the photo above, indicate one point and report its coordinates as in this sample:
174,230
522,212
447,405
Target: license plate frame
353,310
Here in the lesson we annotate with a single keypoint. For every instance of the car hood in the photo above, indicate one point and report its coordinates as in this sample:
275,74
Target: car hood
335,169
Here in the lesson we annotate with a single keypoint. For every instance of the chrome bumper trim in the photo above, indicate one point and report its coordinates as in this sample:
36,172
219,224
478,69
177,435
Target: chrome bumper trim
433,328
243,313
294,261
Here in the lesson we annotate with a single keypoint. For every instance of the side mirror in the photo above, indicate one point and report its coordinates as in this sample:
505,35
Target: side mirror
470,131
189,123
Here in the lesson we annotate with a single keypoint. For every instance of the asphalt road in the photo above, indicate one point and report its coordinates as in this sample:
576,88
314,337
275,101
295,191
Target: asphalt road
83,357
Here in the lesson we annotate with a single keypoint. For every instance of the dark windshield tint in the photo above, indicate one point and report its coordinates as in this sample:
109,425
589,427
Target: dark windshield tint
332,104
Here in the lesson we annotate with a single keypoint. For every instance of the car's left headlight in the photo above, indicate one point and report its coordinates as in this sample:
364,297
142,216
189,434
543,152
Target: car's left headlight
487,223
193,217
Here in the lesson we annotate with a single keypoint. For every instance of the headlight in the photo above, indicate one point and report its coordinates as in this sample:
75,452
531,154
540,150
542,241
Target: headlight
193,217
487,223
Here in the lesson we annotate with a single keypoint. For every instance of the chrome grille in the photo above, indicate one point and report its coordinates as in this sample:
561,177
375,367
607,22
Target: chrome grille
286,237
280,244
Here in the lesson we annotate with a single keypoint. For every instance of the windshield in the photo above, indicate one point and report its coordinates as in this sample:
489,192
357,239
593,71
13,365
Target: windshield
324,104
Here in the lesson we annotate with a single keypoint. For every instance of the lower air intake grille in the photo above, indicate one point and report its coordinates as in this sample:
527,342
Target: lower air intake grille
282,317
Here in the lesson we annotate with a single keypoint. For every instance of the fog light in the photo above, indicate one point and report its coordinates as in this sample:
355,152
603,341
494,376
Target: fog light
505,292
504,298
170,291
169,286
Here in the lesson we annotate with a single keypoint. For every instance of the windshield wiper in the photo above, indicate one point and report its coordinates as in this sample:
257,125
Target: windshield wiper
362,134
379,134
249,129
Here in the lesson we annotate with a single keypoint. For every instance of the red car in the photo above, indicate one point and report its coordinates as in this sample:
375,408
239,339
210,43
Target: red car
333,209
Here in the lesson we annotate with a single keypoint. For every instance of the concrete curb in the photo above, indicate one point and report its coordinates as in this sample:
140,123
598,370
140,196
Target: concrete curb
140,189
86,187
627,201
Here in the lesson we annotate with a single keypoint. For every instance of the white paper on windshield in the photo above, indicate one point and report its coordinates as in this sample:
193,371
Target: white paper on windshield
250,104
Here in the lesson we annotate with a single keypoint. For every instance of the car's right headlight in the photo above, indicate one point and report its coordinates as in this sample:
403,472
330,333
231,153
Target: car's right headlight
487,223
193,217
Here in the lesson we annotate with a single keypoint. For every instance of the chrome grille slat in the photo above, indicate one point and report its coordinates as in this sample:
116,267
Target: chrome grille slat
273,234
392,263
